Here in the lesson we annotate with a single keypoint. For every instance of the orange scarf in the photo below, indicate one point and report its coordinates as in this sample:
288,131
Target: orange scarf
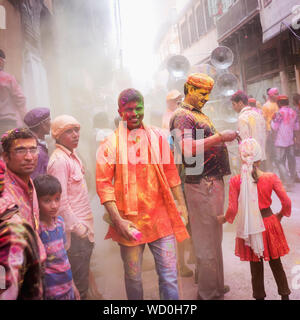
128,174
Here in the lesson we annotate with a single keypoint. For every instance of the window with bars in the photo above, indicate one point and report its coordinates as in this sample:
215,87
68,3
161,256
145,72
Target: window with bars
185,37
208,16
217,8
200,20
193,30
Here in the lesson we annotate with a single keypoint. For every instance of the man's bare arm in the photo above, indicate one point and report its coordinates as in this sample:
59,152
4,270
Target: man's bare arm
190,146
179,197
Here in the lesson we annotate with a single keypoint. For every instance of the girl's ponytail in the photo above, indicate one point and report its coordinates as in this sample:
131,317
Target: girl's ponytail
254,173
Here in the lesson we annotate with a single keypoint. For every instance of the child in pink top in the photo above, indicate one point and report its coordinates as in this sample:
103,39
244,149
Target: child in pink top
259,233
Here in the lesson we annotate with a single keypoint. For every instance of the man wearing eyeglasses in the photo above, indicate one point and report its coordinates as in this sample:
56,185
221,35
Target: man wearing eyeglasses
19,258
20,154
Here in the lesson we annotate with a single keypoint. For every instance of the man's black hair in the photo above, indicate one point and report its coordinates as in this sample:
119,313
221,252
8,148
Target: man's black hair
240,96
10,136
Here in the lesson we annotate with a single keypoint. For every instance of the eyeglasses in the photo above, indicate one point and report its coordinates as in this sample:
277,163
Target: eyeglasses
24,151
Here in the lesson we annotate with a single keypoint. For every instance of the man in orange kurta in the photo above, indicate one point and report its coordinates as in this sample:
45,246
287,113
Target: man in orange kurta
137,182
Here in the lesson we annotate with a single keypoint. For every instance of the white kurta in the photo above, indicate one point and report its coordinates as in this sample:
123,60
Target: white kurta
251,124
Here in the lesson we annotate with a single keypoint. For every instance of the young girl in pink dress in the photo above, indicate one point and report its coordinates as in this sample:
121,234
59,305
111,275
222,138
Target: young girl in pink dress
259,232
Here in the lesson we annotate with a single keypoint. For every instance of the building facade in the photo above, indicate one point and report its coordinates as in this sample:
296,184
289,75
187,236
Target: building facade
266,49
24,24
194,31
62,53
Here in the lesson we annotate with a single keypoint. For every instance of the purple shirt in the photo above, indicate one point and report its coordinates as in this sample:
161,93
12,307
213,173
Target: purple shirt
43,160
284,124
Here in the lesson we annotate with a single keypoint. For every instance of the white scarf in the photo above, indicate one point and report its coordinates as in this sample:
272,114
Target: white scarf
250,222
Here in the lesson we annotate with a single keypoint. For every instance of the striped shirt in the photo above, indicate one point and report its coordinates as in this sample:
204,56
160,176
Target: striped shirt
215,162
58,274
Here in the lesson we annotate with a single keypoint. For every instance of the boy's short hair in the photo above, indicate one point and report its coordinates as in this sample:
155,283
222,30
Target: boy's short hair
45,185
129,95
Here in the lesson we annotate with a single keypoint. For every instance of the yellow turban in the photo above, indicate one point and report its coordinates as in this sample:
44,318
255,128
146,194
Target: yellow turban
201,81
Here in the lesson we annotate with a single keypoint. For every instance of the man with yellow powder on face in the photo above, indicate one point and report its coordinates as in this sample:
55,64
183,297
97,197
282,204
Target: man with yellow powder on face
137,182
196,138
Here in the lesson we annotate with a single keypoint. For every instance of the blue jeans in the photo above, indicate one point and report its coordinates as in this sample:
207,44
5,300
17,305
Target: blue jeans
164,253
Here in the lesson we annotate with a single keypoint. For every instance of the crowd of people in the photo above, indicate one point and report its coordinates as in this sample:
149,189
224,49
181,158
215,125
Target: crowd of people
160,189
